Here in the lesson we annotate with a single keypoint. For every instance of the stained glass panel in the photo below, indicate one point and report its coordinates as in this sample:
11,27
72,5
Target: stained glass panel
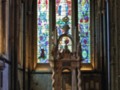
63,8
42,31
62,43
84,28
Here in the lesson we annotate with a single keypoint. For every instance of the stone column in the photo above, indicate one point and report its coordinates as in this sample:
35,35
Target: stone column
74,79
79,79
0,27
53,74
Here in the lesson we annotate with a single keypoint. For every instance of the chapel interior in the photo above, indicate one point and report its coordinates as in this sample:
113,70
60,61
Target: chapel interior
59,45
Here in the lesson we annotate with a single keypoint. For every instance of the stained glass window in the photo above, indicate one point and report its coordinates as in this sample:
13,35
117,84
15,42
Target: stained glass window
63,9
42,31
84,28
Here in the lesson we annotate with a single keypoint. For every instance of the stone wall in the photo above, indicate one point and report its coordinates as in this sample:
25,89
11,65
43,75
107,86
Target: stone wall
41,82
115,43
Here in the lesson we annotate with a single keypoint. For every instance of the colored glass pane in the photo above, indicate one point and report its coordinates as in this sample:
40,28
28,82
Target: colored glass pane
42,31
84,28
65,40
63,8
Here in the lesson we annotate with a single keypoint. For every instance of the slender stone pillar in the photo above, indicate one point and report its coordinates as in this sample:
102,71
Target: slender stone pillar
79,79
0,28
53,74
74,79
53,79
